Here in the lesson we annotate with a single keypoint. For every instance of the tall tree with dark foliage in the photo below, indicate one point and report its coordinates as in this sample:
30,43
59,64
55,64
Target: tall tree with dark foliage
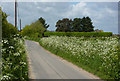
87,24
64,25
75,25
44,23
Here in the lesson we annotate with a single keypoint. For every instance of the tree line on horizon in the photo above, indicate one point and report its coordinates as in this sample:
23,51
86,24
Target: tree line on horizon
37,28
76,25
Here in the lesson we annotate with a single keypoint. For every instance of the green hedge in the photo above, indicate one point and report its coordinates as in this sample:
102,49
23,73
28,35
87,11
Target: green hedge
79,34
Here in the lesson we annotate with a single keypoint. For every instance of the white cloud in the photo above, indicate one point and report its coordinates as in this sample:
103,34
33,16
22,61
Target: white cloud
36,3
38,7
102,18
83,9
46,9
110,11
79,5
80,8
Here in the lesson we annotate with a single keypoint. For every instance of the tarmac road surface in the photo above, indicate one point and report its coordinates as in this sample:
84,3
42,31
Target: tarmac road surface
45,65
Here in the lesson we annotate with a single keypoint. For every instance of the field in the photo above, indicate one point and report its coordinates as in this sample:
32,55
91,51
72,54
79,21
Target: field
97,55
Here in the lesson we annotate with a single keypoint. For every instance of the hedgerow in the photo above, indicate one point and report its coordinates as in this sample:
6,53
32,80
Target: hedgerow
79,34
14,63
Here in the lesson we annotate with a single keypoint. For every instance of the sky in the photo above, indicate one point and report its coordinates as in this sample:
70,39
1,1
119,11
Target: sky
104,15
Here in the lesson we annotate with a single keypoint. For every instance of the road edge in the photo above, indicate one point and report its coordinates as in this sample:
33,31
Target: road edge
30,73
69,63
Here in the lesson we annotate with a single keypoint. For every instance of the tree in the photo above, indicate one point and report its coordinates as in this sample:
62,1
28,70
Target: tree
38,28
64,25
86,24
77,26
27,31
43,22
34,30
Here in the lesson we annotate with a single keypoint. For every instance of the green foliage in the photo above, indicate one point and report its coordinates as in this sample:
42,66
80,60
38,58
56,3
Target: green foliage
64,25
26,30
43,22
14,63
75,25
79,34
86,24
35,30
32,38
7,28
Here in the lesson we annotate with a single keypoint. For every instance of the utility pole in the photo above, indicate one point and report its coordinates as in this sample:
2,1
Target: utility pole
20,24
16,13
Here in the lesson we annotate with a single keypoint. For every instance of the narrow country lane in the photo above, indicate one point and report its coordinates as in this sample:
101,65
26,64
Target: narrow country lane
47,66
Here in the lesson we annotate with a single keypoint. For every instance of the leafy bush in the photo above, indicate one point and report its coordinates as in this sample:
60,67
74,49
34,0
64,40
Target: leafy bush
7,28
79,34
14,63
35,30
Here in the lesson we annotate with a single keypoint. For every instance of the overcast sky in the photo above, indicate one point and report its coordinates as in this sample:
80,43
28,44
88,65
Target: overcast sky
104,15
